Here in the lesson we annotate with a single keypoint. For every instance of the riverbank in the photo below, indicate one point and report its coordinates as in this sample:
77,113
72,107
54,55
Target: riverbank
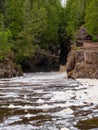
9,69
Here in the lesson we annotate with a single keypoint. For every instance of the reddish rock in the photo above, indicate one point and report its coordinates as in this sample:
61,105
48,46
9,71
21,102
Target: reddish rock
82,64
8,68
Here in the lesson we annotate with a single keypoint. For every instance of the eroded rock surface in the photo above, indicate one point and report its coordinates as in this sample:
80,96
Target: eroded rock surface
8,68
82,63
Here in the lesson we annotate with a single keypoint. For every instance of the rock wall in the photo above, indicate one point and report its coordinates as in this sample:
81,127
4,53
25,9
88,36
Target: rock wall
82,63
8,68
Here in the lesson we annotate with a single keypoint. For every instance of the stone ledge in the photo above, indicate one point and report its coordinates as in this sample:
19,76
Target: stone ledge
82,64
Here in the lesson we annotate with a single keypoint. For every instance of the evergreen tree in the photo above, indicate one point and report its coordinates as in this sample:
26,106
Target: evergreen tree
39,24
91,18
24,44
75,13
5,39
53,24
14,16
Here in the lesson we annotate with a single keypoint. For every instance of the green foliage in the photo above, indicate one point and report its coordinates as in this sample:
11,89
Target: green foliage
32,24
14,16
75,11
5,40
95,39
82,12
91,18
53,24
24,47
39,22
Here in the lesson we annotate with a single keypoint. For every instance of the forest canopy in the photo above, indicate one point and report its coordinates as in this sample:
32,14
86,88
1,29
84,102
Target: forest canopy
82,13
27,26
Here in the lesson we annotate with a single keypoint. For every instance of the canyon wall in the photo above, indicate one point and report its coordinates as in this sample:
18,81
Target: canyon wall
83,62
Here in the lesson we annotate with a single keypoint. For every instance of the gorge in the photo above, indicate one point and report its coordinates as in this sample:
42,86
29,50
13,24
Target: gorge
48,65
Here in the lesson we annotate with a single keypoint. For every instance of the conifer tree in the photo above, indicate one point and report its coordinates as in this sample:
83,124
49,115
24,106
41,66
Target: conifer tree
91,18
75,14
14,16
5,39
39,24
24,44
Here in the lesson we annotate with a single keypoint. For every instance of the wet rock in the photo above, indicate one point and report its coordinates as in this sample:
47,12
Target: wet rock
71,61
8,68
82,63
88,124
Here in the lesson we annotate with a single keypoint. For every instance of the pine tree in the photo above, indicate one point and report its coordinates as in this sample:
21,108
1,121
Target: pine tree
75,13
24,44
91,18
39,24
5,39
14,16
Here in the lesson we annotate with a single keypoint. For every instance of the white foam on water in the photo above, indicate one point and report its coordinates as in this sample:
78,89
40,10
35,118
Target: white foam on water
65,113
40,101
19,107
25,96
9,94
11,106
40,77
62,95
74,103
44,107
19,127
90,93
38,91
64,128
54,94
29,115
14,106
11,120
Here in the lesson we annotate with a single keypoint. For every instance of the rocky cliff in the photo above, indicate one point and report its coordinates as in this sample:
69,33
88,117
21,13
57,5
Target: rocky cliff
8,68
83,62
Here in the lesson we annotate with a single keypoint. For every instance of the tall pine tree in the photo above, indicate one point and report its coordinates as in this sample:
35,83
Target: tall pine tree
91,18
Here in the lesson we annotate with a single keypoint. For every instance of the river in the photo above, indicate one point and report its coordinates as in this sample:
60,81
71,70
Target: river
48,101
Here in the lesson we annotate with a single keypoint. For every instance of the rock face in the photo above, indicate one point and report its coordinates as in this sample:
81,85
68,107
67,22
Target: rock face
82,63
82,34
9,69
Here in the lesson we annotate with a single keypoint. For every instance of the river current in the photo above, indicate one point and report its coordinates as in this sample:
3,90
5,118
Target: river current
48,101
